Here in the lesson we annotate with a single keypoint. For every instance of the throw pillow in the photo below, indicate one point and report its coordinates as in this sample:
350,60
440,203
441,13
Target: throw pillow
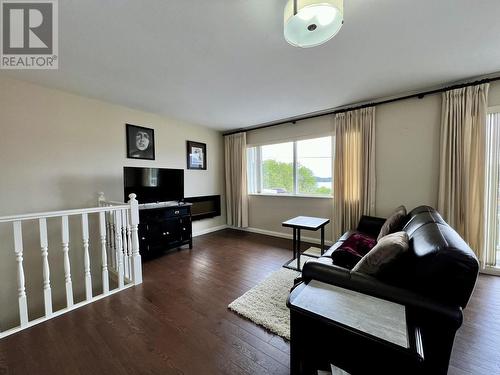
383,253
393,222
352,250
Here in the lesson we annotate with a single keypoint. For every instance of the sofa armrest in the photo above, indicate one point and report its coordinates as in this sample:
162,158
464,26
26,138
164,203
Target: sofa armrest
323,270
370,225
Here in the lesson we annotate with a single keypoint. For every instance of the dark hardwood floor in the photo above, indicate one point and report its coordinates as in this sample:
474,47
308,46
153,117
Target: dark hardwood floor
477,344
177,322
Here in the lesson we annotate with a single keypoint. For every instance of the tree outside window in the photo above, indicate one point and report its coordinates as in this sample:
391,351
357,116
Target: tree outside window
300,168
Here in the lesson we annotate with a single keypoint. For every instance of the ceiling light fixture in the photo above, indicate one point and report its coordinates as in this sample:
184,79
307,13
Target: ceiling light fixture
309,23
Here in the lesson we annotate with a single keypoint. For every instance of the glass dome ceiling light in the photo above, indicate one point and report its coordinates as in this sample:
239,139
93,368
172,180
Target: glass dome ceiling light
309,23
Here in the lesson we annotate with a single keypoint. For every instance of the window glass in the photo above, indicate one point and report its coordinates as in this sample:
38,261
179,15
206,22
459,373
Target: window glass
492,191
277,168
298,168
314,166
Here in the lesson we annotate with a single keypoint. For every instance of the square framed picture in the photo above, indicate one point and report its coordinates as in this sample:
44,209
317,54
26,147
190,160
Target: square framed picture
196,155
140,142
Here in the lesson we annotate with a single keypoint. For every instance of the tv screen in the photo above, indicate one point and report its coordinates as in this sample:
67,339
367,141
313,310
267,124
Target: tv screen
154,184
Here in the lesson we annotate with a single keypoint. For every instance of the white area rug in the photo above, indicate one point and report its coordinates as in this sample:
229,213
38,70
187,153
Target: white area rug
265,304
314,251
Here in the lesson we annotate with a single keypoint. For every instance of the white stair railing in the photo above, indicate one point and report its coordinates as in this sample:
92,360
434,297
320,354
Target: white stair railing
119,249
123,230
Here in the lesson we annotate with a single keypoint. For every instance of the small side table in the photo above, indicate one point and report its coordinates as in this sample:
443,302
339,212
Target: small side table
308,223
356,332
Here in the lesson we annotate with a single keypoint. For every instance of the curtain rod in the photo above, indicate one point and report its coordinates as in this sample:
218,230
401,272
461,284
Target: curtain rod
419,95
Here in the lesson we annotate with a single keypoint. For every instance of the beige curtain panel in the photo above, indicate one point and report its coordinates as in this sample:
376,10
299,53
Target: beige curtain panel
462,163
354,171
235,153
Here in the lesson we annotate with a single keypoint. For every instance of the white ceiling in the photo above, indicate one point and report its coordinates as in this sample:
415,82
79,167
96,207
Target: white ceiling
225,63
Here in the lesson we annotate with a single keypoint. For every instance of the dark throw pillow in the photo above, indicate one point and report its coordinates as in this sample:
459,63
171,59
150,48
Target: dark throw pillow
352,250
393,223
383,253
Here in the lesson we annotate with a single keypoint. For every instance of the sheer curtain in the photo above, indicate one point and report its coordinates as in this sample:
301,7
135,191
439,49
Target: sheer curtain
492,189
462,163
235,156
354,170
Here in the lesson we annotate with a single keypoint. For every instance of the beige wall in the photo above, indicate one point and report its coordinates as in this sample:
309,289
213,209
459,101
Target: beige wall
407,167
494,94
407,152
58,150
268,212
315,127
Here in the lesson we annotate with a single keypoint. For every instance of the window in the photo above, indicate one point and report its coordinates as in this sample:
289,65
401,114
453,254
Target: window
492,256
301,167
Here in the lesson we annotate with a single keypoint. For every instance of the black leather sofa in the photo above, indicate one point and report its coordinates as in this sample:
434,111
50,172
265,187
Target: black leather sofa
434,280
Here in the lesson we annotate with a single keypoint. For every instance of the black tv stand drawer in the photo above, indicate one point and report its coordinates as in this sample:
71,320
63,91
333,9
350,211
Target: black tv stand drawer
179,211
165,228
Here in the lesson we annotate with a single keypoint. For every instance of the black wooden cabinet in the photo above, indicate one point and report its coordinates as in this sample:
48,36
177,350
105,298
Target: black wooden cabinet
164,228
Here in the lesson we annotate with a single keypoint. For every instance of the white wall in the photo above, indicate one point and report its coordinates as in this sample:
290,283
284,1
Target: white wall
57,151
407,165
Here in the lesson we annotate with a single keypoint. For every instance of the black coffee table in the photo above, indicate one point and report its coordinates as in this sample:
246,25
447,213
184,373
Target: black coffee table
307,223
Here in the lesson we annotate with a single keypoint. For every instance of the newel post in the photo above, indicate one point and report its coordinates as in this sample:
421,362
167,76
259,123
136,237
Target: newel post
134,228
101,199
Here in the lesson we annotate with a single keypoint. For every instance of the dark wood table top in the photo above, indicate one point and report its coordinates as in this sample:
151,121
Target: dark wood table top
306,222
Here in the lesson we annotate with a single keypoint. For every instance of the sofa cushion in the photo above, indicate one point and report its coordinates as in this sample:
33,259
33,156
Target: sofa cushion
384,252
393,223
349,253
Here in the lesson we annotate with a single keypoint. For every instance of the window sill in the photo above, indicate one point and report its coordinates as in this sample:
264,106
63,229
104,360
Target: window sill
292,195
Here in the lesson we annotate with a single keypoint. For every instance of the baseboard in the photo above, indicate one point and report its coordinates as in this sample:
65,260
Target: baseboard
282,235
209,230
490,271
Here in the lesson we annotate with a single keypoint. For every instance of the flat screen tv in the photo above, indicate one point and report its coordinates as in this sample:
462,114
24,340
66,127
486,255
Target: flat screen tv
154,184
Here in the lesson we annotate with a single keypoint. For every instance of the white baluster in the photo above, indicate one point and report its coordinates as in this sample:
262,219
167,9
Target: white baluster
119,248
21,291
102,229
125,243
67,267
86,257
134,224
112,238
109,236
129,242
44,244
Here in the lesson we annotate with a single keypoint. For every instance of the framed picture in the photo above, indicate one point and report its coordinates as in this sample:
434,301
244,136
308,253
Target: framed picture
196,155
140,142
